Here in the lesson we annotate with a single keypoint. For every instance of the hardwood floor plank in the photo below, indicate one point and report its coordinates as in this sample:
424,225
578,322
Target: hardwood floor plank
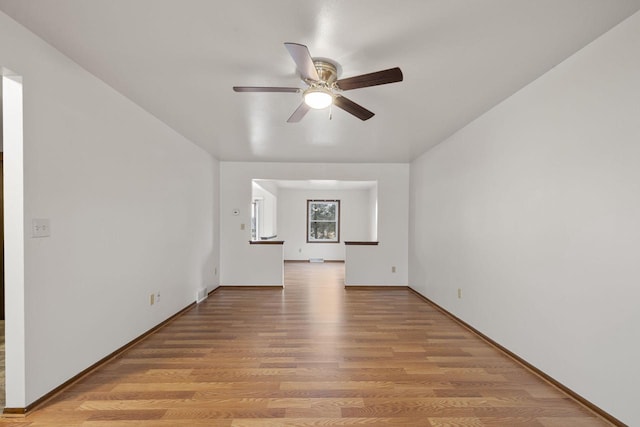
157,423
337,421
311,354
126,414
456,422
224,413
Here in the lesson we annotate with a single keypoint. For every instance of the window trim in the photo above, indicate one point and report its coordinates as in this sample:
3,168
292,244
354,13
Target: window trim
337,221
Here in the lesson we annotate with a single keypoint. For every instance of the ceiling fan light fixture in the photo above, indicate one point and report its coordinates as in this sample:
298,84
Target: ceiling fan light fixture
318,98
321,77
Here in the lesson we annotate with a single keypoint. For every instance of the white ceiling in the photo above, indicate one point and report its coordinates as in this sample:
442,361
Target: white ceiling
179,59
322,184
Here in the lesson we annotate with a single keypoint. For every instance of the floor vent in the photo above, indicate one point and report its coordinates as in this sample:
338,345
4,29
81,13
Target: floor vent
316,259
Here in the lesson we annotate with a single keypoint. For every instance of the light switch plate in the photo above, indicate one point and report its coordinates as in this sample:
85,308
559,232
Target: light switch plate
40,227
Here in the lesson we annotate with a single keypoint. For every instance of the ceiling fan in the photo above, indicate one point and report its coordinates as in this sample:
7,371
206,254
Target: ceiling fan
321,75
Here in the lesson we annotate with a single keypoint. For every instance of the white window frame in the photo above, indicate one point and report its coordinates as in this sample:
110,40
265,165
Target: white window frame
310,205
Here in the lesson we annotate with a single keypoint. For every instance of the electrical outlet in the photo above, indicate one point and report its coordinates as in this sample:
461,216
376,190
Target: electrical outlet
459,293
241,226
158,296
393,269
152,299
40,227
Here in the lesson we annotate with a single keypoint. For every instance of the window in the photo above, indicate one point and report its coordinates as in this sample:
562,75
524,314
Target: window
323,221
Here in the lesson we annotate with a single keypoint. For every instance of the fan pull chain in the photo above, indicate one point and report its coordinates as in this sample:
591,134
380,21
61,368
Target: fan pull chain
330,111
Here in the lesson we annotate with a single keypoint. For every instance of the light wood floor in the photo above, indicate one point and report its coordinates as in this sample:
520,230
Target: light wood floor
313,354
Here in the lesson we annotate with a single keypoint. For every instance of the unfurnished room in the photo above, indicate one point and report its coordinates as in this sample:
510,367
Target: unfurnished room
295,213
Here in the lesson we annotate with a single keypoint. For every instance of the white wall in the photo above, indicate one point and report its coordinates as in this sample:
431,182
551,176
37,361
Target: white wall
533,210
373,213
355,218
268,214
1,121
237,257
132,212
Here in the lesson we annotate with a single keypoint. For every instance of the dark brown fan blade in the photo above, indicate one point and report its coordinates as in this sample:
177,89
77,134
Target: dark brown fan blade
265,89
303,60
351,107
391,75
299,113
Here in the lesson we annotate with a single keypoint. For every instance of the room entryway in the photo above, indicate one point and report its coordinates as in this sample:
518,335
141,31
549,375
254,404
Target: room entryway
2,397
2,340
12,243
306,275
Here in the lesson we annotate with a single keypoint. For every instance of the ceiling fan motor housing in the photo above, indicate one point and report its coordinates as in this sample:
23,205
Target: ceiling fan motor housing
320,95
327,71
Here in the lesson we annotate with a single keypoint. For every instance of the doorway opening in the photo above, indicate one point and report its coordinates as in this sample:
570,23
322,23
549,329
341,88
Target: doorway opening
12,361
2,340
282,209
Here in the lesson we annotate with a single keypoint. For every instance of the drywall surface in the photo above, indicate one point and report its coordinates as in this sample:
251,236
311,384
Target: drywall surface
358,269
131,209
267,198
533,211
355,218
1,121
237,258
373,213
